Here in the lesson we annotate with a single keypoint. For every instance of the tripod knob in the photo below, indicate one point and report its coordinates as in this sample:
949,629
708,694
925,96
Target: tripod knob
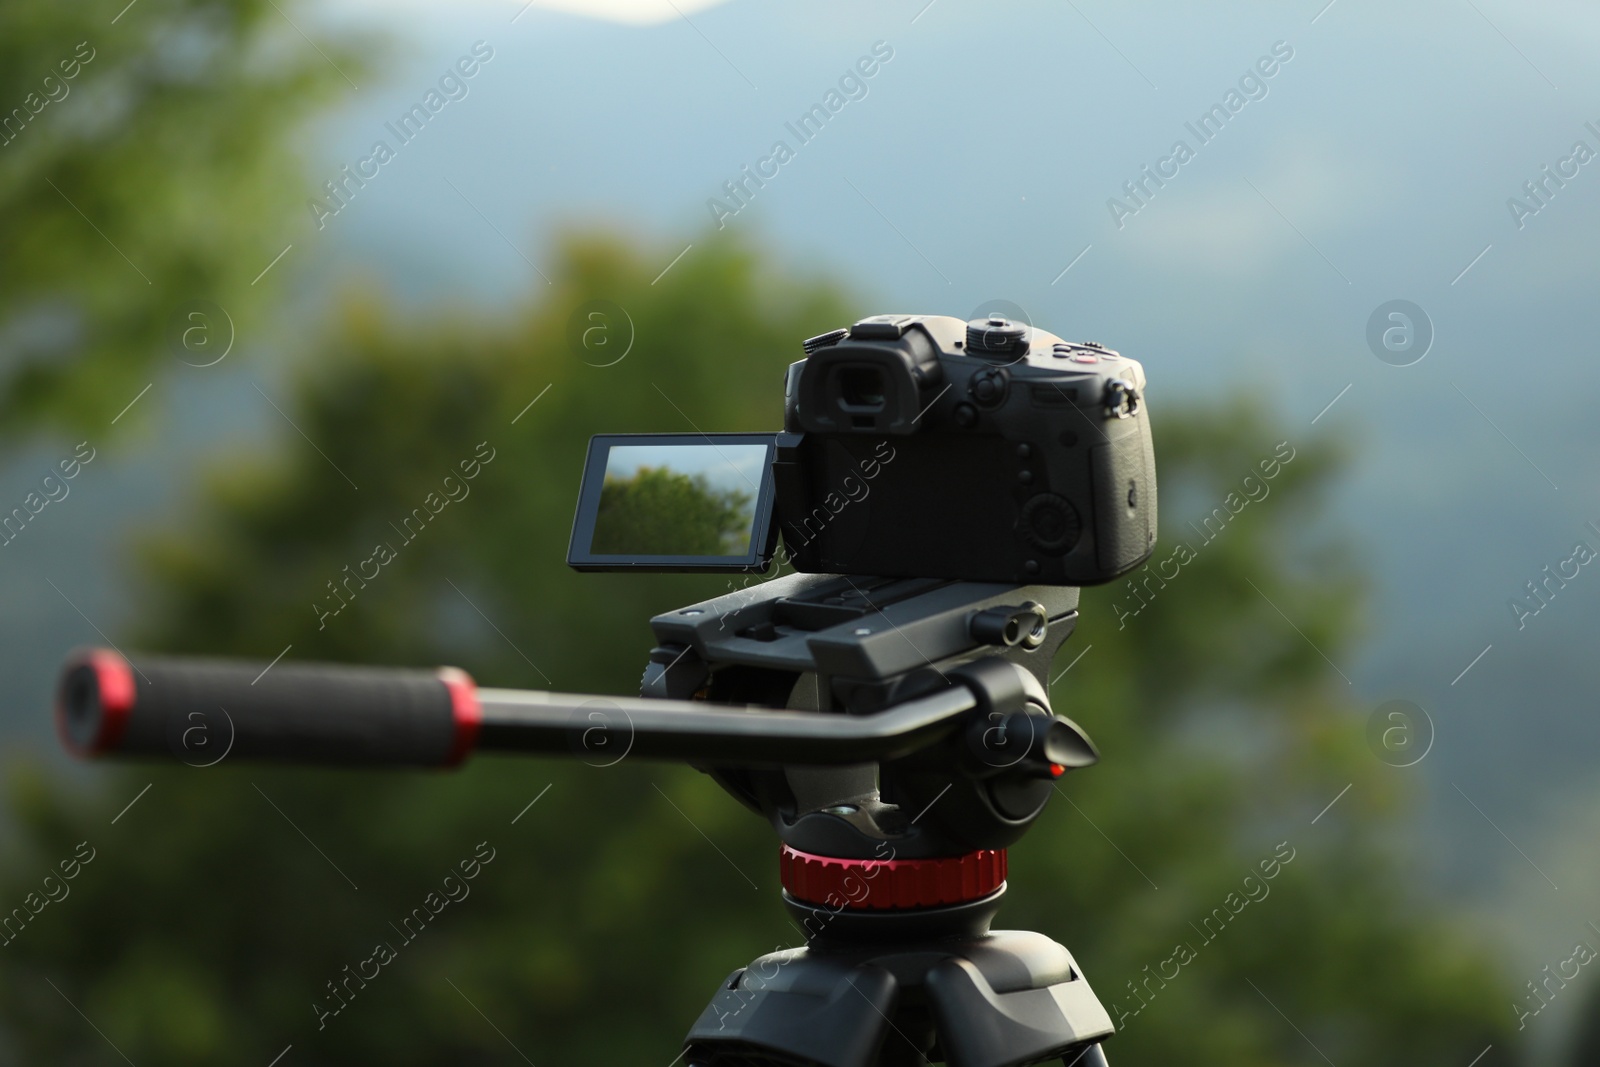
1031,743
1027,626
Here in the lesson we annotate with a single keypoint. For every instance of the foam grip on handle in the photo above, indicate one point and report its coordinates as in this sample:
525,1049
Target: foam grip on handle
202,711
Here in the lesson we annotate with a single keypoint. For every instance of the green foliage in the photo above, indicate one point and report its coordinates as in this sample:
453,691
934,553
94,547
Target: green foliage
663,513
207,925
1586,1045
100,114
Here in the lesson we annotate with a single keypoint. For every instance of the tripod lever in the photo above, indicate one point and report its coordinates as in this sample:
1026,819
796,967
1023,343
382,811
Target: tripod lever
202,710
698,732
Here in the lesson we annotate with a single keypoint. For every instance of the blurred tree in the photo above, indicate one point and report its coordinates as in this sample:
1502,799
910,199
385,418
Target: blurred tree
145,164
1586,1046
208,929
660,512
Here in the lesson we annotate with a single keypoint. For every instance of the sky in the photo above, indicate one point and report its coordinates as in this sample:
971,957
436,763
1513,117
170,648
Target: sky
726,467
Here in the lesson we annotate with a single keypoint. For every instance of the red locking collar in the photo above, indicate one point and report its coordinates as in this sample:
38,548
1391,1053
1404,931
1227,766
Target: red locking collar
891,884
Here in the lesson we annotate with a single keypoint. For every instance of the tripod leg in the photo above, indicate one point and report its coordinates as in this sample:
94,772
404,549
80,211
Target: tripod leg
1088,1057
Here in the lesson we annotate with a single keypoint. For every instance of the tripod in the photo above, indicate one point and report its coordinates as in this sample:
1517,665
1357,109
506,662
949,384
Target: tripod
896,733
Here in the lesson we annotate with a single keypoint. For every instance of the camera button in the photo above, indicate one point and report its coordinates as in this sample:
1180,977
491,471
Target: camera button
988,387
1051,524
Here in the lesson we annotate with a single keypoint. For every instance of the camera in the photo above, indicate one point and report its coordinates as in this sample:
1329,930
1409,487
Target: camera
913,446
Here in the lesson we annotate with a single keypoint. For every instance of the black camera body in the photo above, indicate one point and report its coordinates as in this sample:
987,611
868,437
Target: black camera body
925,446
914,446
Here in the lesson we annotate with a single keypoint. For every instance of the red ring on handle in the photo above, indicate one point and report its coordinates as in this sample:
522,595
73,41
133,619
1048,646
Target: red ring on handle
117,692
466,711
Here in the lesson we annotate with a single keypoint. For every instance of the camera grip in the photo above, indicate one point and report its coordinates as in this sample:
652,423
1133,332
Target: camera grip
202,711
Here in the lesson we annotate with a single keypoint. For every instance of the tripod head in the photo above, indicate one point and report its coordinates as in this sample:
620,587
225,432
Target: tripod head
850,649
839,708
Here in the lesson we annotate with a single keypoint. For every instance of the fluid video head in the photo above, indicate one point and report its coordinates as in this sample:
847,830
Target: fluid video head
913,446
